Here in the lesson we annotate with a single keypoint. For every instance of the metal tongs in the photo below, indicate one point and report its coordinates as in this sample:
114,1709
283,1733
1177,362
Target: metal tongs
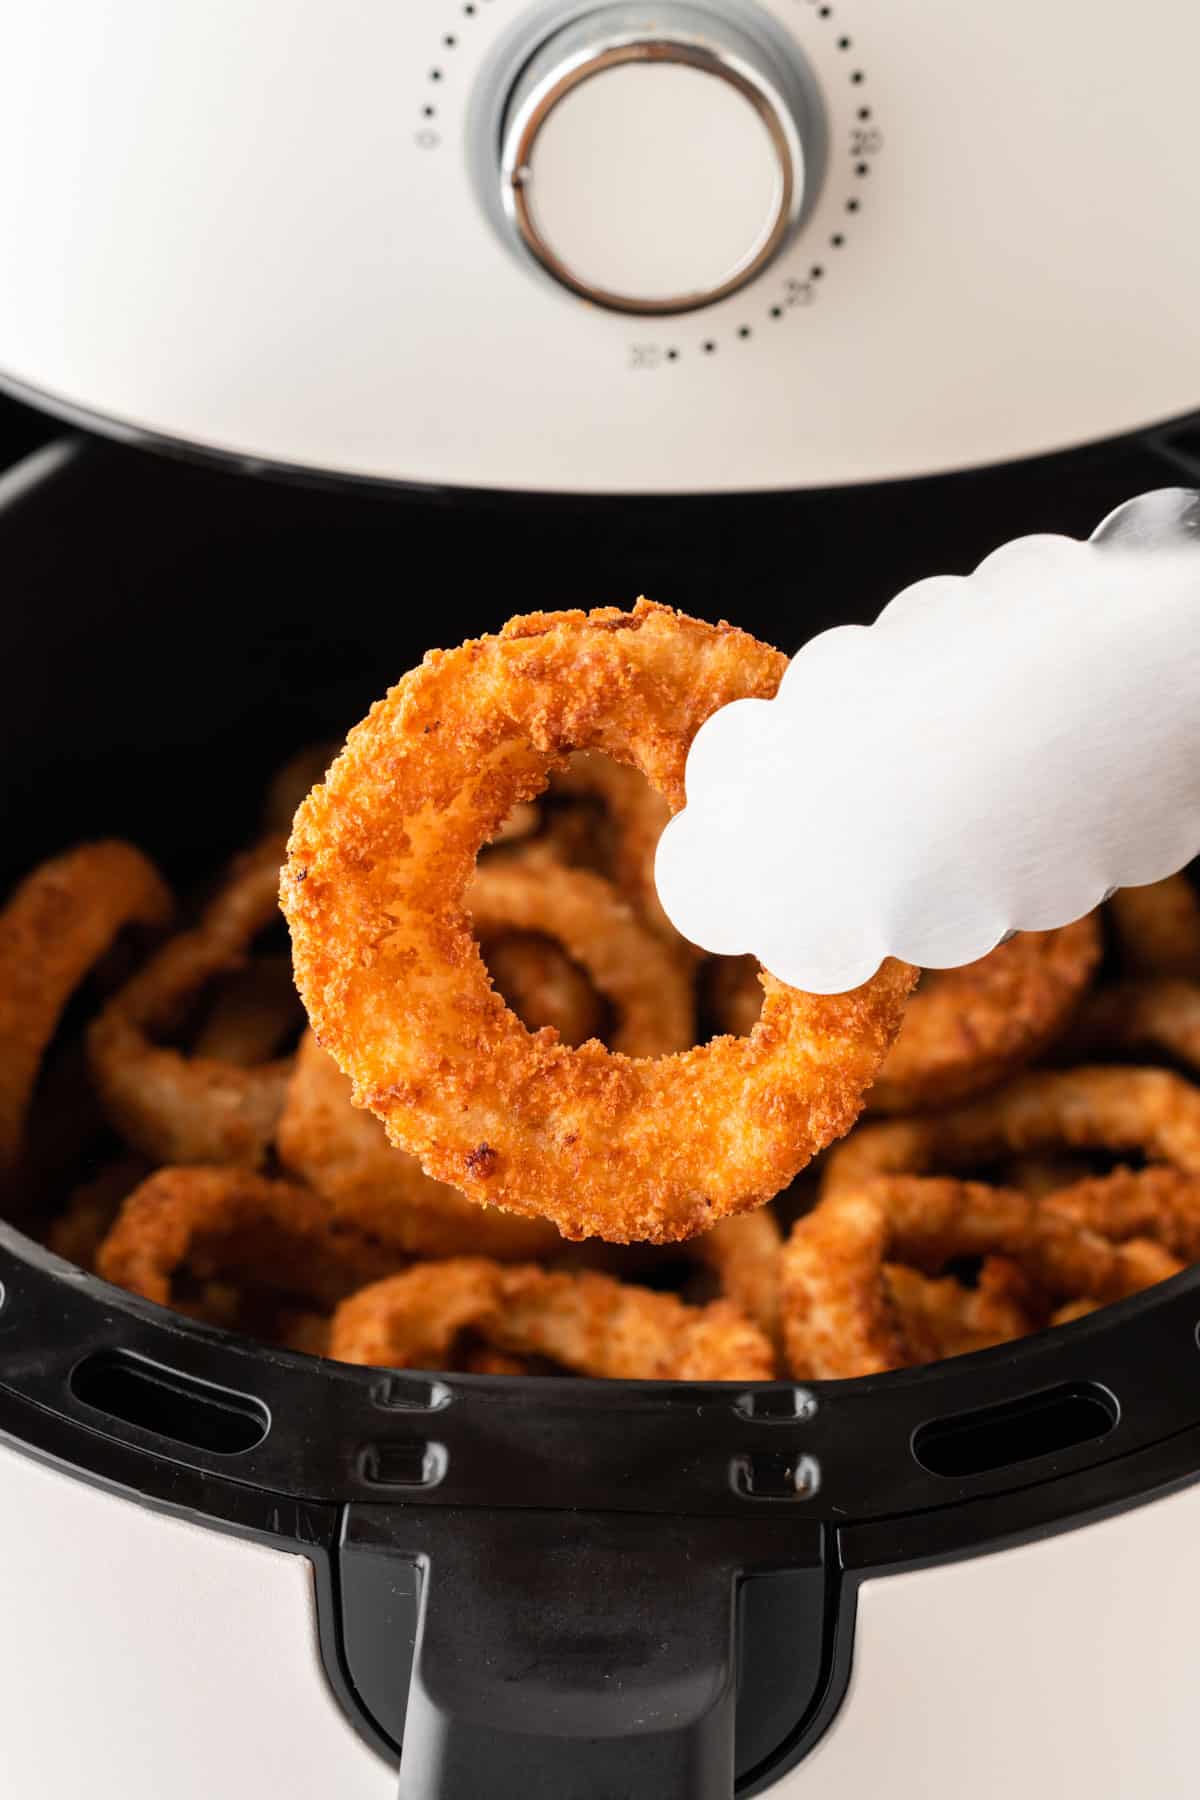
995,754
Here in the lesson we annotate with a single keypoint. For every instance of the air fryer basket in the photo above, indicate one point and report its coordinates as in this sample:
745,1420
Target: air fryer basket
593,1589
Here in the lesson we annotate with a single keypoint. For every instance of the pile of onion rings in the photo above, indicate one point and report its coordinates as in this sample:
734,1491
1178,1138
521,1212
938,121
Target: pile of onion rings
589,1121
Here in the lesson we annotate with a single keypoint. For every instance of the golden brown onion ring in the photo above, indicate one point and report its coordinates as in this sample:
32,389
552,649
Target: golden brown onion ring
1157,928
90,1213
940,1316
1113,1109
173,1107
966,1030
231,1225
1142,1018
743,1252
59,921
839,1319
375,894
588,1323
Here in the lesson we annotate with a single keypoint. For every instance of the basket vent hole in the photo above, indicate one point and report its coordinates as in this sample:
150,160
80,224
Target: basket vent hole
995,1437
170,1404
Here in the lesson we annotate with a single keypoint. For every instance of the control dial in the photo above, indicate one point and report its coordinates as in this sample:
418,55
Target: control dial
655,161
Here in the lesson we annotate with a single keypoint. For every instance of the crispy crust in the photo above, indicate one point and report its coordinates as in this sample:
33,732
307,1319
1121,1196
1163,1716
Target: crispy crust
648,988
1115,1109
968,1029
57,924
343,1152
939,1316
176,1108
1157,928
232,1225
374,892
588,1323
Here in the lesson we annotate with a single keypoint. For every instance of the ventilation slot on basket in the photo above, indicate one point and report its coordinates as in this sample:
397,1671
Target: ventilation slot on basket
1037,1425
170,1404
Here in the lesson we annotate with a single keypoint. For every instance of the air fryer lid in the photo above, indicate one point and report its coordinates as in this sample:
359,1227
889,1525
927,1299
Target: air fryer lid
582,1588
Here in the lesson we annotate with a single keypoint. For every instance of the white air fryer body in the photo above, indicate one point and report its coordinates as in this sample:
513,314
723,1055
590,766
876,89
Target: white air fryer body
282,231
184,1662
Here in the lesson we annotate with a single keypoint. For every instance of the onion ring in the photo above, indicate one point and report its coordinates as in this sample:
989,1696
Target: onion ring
374,892
743,1251
233,1225
1139,1018
626,964
56,925
343,1153
1157,927
588,1323
1156,1202
839,1319
173,1107
544,987
91,1212
940,1316
1115,1109
968,1029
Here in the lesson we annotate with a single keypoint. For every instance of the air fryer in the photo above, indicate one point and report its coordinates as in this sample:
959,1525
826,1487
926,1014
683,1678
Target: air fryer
765,308
235,1569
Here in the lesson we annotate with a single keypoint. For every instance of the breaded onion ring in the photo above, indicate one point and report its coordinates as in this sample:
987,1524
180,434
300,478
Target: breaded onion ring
58,922
627,965
1156,1203
588,1323
743,1252
173,1107
939,1316
544,987
1115,1109
375,894
232,1225
343,1153
90,1213
1142,1018
839,1318
966,1030
1157,927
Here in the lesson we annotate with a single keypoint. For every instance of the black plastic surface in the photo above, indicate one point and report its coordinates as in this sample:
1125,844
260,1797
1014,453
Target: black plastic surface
177,632
580,1654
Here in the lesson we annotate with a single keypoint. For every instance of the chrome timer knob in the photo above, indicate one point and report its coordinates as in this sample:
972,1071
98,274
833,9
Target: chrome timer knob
654,160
